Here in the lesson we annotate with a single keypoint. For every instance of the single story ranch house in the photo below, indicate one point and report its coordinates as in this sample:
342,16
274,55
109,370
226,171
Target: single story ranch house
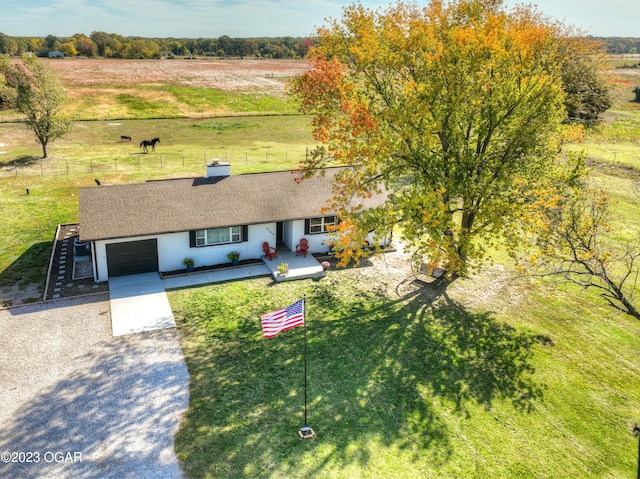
154,226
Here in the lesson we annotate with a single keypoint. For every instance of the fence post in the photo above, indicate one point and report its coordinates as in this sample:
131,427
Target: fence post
66,161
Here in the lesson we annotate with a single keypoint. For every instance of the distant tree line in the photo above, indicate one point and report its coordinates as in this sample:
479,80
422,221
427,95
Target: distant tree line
111,45
621,46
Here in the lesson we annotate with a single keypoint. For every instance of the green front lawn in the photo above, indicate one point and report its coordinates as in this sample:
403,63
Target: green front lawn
507,381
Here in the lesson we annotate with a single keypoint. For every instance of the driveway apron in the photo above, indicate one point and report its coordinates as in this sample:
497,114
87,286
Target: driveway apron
139,303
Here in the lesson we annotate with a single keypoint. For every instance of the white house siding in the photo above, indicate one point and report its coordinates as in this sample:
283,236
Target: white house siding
293,232
173,248
211,255
318,242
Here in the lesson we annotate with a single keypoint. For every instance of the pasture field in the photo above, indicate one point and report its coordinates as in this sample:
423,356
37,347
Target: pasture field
102,89
490,376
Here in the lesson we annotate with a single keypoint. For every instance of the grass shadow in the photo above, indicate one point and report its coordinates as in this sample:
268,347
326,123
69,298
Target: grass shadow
29,268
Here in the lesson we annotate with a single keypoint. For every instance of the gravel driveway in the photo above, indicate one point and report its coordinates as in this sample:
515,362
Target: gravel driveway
77,403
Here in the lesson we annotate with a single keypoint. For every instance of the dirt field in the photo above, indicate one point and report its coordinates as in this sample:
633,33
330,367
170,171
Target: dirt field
221,74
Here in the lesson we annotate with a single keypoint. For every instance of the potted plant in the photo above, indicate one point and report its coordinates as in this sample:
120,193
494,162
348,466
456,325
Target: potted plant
283,269
189,263
233,256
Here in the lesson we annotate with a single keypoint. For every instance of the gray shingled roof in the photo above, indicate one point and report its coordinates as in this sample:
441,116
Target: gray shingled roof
168,206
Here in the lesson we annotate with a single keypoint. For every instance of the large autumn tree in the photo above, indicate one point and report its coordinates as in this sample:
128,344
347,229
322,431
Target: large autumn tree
452,109
33,88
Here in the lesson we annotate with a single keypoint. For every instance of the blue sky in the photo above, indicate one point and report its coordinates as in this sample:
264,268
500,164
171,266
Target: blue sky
253,18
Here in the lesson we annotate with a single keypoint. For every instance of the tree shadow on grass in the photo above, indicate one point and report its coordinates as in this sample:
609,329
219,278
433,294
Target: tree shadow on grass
374,367
24,160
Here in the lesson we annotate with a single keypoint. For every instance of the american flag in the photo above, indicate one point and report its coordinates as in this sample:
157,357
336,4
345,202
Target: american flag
283,319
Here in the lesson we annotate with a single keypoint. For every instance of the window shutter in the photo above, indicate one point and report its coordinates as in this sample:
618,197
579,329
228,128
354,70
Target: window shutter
307,226
192,239
245,233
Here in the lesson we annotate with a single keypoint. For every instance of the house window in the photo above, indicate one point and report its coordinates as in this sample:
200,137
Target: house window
320,225
218,236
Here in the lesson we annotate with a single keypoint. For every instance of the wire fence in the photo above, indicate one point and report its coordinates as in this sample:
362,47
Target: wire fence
243,161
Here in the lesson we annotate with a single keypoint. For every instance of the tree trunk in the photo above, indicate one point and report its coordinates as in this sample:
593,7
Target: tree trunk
462,247
626,305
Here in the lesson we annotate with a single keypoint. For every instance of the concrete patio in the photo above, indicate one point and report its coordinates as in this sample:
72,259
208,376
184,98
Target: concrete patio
300,267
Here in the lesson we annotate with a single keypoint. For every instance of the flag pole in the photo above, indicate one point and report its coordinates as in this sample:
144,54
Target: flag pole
305,431
304,303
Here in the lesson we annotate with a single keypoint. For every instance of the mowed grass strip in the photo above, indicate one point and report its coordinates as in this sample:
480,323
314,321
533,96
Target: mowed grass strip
406,387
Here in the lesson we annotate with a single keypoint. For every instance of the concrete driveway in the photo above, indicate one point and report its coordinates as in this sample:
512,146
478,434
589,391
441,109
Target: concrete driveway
139,303
78,403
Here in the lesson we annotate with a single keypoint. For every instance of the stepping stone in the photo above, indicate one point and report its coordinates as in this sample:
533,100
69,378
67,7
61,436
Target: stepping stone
58,283
55,296
69,285
56,290
60,277
81,286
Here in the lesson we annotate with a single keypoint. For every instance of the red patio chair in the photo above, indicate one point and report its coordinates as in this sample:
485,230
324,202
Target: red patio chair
302,248
269,251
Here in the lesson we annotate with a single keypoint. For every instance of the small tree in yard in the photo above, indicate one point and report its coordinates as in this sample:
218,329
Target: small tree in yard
33,88
572,241
453,109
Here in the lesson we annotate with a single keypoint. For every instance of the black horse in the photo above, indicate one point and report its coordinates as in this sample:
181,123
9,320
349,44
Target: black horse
151,143
125,138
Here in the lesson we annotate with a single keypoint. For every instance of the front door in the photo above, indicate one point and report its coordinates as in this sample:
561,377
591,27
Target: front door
279,232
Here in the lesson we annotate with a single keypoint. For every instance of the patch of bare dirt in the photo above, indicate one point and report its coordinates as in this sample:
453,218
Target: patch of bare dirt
492,288
232,75
15,295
